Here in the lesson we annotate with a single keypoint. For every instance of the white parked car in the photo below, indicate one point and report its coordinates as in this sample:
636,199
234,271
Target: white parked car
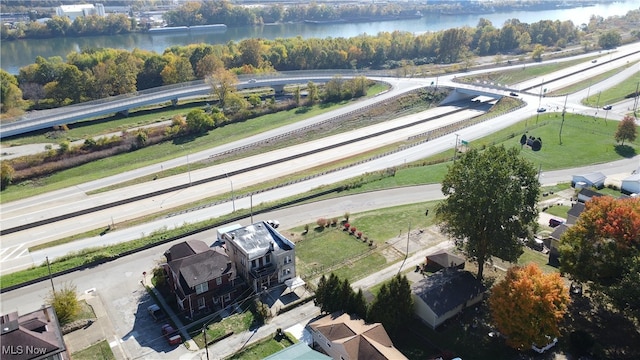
540,350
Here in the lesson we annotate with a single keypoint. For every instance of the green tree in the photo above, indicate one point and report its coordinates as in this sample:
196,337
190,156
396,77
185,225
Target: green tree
609,39
602,249
490,203
312,92
537,52
393,306
627,130
199,122
223,83
10,93
528,305
65,302
6,174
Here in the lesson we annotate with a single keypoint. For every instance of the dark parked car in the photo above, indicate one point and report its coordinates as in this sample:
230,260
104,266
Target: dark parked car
607,107
541,110
172,336
513,94
594,61
555,222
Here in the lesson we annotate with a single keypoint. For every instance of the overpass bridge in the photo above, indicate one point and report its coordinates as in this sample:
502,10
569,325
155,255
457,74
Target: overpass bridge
46,119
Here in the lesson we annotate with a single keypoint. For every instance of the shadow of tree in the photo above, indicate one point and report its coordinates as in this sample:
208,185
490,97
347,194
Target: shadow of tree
625,151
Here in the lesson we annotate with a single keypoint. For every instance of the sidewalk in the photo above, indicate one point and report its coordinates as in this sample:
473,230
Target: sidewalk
96,331
167,309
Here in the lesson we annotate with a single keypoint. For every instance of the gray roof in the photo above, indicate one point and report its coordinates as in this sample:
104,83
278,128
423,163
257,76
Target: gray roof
447,289
38,329
594,177
559,230
576,209
186,248
298,351
589,193
258,239
202,267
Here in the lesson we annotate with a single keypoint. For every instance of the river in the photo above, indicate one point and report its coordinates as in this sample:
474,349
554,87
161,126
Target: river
15,54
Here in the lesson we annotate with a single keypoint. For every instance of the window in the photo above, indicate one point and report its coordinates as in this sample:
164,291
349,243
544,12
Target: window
219,280
253,263
287,259
227,297
200,288
200,303
267,259
286,272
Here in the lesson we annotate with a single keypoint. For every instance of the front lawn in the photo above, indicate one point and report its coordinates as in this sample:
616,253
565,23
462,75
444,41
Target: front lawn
97,351
264,348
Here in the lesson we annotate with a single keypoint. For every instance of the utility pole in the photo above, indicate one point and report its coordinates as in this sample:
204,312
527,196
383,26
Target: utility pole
564,110
455,149
50,277
598,102
635,102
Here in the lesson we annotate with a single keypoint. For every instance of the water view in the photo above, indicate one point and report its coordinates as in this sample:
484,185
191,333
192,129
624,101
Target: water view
15,54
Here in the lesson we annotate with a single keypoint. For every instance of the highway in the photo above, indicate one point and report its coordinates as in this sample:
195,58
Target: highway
14,254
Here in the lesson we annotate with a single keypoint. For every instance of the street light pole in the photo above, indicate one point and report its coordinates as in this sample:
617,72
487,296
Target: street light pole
233,198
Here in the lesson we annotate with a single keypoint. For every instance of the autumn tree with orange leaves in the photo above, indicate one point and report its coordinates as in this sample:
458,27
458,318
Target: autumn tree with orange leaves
603,250
528,305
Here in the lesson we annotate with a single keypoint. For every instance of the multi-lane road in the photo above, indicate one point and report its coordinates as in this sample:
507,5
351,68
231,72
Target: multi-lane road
14,254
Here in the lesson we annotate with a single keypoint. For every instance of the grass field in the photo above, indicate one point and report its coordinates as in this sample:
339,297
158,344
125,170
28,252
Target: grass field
263,348
614,94
521,73
97,351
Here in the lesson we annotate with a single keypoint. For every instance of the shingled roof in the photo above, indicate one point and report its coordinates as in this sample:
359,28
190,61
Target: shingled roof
360,340
447,289
37,330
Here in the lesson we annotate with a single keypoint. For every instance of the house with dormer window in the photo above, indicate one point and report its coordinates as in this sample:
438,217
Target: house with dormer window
203,279
263,257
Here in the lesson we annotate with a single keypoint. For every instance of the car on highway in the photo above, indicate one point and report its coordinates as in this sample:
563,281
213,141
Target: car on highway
541,110
252,81
513,94
607,107
156,313
594,61
172,336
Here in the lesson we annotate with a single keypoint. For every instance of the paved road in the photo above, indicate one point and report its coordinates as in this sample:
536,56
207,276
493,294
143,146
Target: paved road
14,253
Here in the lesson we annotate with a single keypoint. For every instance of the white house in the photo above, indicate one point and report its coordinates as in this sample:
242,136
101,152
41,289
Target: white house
594,179
73,11
631,185
263,257
444,294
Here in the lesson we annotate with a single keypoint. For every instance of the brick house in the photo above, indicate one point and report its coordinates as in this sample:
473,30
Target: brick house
202,279
263,257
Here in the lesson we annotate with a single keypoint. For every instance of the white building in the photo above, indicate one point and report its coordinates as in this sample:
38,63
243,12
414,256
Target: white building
73,11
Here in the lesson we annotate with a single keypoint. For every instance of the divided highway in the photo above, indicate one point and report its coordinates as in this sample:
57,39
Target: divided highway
230,175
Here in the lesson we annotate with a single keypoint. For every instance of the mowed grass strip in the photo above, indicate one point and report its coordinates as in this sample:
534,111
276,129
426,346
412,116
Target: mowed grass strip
522,72
612,95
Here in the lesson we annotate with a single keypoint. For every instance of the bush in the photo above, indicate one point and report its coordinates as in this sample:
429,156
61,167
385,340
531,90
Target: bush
346,226
346,216
359,234
322,222
334,221
353,229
